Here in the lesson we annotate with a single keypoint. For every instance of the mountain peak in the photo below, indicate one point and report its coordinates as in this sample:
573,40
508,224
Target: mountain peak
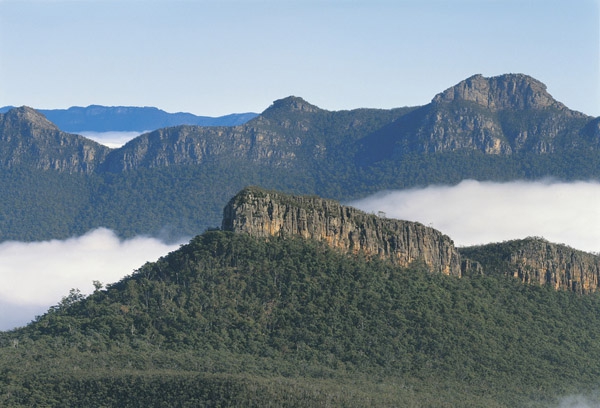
509,91
293,104
25,114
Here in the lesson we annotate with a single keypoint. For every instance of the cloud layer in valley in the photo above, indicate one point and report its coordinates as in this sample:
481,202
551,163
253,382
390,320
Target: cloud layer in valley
37,275
111,139
473,213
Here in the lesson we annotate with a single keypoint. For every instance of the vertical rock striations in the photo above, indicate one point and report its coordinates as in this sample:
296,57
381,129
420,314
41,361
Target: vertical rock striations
510,91
264,213
537,261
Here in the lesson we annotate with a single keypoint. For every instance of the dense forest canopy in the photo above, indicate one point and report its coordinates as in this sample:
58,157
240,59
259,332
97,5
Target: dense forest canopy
235,320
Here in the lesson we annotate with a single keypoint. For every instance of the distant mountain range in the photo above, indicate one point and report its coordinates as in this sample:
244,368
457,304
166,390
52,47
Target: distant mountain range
97,118
174,181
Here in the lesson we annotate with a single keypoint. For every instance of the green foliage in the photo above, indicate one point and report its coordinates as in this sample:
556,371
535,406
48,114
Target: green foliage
231,320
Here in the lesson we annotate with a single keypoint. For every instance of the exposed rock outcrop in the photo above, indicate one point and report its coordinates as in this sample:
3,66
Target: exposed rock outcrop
537,261
503,115
263,213
29,139
511,91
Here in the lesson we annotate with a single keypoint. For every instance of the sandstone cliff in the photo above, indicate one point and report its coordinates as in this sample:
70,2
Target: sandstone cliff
537,261
263,213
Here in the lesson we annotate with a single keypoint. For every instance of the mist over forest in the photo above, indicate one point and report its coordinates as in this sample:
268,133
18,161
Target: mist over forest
474,212
471,213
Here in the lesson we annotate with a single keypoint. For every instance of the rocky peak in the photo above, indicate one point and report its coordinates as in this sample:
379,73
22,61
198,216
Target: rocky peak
30,140
539,261
27,117
509,91
291,104
263,213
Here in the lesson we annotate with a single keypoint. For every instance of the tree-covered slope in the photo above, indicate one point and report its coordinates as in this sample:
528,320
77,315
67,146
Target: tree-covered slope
230,320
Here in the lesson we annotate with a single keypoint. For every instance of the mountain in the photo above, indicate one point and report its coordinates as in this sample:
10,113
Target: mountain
261,316
505,115
99,118
28,139
291,134
263,214
174,181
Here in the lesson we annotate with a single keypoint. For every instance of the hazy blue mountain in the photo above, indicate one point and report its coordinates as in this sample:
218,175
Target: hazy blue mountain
99,118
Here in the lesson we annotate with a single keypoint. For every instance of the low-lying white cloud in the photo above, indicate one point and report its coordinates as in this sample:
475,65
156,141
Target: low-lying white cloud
580,401
37,275
110,139
473,212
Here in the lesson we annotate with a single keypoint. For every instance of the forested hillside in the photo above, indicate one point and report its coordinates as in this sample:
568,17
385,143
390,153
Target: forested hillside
233,320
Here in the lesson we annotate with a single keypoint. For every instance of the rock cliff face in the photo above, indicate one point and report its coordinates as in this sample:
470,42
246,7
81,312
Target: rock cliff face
264,213
537,261
503,115
511,91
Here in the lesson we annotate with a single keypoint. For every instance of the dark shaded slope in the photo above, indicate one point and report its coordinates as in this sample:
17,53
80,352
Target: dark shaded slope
499,128
29,141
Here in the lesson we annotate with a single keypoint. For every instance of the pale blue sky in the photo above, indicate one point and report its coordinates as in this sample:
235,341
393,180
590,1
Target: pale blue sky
214,57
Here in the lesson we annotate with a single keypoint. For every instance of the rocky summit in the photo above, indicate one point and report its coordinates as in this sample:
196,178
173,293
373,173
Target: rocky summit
29,140
263,213
514,91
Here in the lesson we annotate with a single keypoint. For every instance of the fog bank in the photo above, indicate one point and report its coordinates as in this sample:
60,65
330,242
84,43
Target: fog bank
475,212
36,275
110,139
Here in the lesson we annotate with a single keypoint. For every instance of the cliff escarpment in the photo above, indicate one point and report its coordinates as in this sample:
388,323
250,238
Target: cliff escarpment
537,261
263,213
